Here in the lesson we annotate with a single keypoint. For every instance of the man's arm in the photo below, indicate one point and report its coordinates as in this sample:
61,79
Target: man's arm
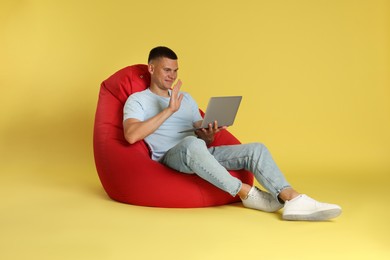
136,130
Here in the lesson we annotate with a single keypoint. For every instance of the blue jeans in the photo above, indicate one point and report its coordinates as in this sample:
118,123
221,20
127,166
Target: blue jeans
191,156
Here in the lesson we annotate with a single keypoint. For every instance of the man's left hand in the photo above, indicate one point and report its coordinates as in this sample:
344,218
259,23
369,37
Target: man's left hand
207,134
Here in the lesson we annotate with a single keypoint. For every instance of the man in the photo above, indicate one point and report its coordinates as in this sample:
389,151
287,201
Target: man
159,113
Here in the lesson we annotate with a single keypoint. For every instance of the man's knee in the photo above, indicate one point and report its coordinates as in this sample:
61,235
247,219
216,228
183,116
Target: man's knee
194,144
258,148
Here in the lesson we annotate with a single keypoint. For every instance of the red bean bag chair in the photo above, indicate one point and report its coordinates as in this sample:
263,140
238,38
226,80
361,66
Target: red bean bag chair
127,172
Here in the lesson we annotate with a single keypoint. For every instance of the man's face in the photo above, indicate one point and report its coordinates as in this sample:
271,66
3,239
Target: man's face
163,72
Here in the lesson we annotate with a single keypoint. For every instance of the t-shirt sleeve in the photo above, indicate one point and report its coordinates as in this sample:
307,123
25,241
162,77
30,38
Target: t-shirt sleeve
133,109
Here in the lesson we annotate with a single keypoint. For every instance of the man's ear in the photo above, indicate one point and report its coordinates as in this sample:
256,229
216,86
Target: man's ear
150,68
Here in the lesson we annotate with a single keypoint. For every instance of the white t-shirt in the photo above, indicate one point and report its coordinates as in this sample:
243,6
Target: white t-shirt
145,104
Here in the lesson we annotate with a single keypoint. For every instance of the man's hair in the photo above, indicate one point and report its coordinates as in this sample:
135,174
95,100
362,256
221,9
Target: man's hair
161,52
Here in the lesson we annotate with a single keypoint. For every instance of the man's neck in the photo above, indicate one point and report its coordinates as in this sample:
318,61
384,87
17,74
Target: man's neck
160,92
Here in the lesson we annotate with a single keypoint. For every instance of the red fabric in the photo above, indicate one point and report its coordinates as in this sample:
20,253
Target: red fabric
127,172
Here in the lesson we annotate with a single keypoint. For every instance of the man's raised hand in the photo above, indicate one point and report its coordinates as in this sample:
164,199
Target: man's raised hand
175,101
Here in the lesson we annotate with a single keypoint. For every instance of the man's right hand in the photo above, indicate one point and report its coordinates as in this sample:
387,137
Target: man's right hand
175,101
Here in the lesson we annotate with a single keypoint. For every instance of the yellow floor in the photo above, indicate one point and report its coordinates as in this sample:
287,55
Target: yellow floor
56,209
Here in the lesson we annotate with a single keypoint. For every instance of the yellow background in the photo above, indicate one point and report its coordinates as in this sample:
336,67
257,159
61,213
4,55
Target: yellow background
315,80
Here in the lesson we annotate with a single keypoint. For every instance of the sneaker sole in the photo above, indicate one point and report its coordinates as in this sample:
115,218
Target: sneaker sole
316,216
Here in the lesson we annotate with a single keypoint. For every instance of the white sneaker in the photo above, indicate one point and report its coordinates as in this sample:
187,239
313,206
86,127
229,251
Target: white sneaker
261,200
305,208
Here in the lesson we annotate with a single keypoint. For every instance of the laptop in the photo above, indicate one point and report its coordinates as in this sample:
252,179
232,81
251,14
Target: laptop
220,109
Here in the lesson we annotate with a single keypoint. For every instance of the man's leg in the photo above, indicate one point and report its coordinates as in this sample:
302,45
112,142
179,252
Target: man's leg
192,156
255,158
